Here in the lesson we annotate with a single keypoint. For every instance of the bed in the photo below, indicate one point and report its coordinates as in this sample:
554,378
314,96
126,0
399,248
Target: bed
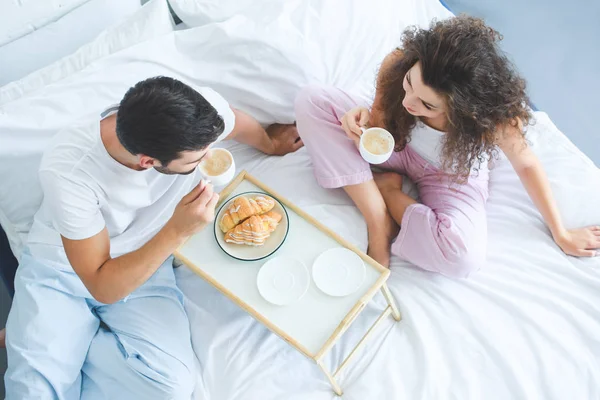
524,327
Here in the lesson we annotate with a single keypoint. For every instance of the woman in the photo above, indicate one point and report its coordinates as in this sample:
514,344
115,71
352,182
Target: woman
451,99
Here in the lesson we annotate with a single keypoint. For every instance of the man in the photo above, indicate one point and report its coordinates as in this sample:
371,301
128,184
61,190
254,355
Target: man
96,312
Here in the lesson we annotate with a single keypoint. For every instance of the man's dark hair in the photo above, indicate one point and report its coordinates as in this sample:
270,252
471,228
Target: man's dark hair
160,117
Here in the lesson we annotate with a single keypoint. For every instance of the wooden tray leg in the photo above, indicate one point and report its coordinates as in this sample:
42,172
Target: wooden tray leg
334,384
390,300
360,343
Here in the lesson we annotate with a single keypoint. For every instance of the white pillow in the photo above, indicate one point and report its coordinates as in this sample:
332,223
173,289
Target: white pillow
196,13
60,38
18,18
152,20
200,12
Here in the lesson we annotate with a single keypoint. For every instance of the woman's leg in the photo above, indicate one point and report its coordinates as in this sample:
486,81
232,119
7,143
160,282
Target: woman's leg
448,232
390,187
338,163
381,227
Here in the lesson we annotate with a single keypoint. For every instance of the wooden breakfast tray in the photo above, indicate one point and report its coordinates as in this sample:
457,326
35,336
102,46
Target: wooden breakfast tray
314,323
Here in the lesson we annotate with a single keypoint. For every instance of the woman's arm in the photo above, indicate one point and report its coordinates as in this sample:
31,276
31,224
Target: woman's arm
576,242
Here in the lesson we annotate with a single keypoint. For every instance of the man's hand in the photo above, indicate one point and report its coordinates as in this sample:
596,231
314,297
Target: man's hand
277,139
195,210
285,139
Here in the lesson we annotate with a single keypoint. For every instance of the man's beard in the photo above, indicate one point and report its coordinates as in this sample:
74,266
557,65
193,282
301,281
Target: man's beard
167,171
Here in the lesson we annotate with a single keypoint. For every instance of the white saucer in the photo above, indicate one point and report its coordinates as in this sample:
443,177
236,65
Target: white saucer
283,281
338,272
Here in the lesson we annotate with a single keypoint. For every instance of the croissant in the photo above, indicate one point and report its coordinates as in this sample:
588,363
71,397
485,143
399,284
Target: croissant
255,230
243,208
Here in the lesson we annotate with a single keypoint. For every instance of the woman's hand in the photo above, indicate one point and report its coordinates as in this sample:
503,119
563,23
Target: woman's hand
353,120
582,242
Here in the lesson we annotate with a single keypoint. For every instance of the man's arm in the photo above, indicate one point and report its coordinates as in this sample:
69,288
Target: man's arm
277,140
111,279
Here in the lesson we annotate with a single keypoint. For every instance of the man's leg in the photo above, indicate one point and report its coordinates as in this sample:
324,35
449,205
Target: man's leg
146,352
49,330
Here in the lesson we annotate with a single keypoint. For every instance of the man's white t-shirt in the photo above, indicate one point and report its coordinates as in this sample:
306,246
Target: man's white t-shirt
85,190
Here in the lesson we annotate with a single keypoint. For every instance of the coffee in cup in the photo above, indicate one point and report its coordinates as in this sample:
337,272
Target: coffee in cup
218,166
377,142
217,162
376,145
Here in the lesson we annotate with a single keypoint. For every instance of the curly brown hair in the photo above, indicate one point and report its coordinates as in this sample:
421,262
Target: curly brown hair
461,61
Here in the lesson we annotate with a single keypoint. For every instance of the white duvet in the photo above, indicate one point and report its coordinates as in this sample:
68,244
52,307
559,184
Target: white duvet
526,326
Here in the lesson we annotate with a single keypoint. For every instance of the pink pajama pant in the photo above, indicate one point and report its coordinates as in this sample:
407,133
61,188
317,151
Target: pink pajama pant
446,233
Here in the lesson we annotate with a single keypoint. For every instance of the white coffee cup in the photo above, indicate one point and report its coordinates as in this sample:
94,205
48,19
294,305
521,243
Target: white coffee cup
376,145
218,167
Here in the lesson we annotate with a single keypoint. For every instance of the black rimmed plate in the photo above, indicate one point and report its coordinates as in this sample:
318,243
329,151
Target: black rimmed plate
253,253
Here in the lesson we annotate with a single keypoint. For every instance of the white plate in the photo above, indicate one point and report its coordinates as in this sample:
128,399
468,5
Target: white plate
338,272
282,280
253,253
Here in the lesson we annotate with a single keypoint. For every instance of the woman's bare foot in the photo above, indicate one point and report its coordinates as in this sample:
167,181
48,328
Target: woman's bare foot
3,338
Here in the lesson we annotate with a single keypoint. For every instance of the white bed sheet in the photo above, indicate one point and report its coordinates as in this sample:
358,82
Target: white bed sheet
524,327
